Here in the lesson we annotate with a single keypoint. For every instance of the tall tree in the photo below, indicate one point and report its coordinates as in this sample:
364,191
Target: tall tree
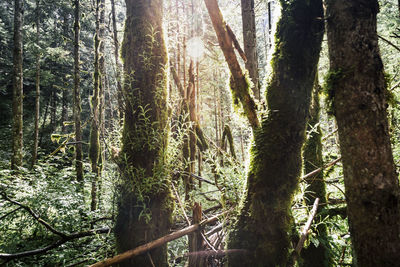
358,90
250,44
117,63
77,96
37,87
144,209
265,220
16,159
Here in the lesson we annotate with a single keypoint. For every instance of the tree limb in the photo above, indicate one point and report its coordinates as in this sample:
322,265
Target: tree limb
156,243
56,244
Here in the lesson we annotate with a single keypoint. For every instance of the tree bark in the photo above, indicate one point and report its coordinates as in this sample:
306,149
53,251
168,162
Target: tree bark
265,225
94,147
250,44
77,96
16,159
145,204
358,93
37,87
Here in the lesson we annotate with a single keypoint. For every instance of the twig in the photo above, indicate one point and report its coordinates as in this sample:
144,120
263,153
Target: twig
58,243
156,243
314,172
11,212
307,226
34,215
390,43
180,203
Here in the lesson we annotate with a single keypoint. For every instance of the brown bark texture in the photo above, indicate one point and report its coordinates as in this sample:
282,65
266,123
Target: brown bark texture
250,44
357,89
17,129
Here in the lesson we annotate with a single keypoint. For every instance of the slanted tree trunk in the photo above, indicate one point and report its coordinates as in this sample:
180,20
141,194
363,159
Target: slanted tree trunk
16,158
77,96
315,256
264,225
358,93
65,95
37,87
145,204
250,44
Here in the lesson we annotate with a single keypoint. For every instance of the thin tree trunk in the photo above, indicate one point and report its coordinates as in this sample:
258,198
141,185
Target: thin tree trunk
250,44
94,148
16,159
37,87
358,93
77,97
117,63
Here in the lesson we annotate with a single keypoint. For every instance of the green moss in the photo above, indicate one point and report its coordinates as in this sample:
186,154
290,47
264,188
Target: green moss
331,80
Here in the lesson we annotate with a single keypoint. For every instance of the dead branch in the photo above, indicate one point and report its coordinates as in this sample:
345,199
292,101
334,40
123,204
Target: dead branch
35,216
56,244
156,243
236,43
390,43
306,229
239,84
314,172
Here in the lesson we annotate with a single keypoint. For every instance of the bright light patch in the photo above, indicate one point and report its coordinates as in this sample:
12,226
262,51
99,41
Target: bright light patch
195,47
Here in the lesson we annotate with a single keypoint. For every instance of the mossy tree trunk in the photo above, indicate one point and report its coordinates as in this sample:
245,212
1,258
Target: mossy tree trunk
358,90
265,223
16,158
117,63
315,256
77,95
145,205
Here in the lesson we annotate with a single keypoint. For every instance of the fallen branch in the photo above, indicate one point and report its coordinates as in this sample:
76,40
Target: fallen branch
390,43
314,172
56,244
156,243
63,237
306,228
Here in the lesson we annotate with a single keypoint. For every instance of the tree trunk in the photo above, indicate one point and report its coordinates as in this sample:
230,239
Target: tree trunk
16,159
265,224
315,256
94,147
77,96
144,209
358,93
250,44
37,87
117,66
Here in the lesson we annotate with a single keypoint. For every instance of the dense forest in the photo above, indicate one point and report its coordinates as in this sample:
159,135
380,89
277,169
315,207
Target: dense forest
199,133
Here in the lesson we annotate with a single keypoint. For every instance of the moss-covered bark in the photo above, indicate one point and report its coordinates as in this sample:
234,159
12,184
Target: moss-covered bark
359,102
145,206
264,225
315,256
